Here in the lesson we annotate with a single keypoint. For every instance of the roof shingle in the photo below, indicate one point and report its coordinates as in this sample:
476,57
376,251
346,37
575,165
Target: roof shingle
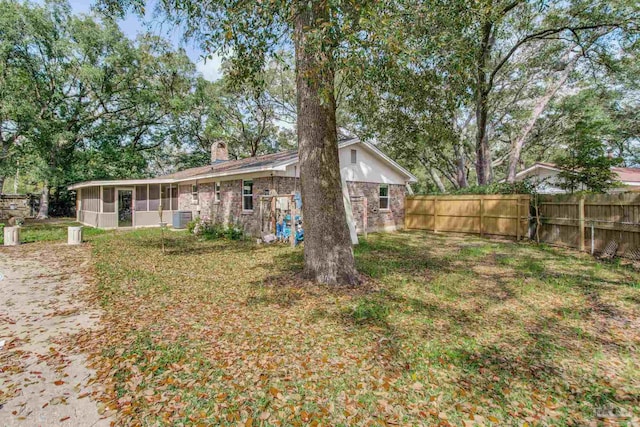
235,165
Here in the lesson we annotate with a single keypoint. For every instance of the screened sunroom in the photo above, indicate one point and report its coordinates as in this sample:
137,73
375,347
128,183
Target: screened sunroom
123,204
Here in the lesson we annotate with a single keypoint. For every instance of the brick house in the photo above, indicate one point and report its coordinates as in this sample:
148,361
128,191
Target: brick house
233,191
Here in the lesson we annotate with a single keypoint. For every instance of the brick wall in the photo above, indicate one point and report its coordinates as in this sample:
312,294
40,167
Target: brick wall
229,208
377,219
184,198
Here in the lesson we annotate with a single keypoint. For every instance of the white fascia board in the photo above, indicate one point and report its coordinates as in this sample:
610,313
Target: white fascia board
534,167
121,182
348,142
124,182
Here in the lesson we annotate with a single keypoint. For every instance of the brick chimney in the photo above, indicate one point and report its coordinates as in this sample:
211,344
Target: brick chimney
219,152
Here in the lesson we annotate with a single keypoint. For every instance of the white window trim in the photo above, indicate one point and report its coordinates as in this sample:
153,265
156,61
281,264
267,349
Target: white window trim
217,191
195,197
244,195
388,198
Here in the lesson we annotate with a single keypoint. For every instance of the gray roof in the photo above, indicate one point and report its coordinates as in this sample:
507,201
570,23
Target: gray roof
238,166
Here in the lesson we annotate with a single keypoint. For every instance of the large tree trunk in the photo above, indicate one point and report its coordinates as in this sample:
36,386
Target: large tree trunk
483,156
538,109
436,179
43,212
328,254
1,184
461,172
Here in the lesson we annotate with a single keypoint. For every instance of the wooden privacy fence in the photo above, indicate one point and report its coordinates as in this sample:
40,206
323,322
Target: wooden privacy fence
591,222
503,215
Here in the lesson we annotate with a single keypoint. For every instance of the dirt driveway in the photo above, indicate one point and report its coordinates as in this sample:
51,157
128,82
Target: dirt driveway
42,383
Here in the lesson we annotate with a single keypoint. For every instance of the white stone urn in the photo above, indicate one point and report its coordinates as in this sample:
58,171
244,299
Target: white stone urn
11,236
74,235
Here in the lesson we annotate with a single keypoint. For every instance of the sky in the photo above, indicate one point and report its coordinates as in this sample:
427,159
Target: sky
210,68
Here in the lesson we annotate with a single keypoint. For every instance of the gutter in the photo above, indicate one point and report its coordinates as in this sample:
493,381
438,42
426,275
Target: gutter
173,180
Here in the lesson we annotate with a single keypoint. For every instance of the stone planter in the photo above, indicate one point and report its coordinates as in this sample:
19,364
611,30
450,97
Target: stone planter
74,235
11,236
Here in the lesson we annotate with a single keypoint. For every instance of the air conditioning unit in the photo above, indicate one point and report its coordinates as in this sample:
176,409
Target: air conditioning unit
181,219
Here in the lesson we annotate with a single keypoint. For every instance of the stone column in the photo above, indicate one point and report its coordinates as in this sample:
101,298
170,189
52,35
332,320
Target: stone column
74,236
11,236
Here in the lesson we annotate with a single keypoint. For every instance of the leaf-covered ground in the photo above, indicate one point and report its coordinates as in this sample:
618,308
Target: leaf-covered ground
446,330
42,382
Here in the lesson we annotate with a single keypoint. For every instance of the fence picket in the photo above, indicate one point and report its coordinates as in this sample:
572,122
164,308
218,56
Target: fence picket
477,214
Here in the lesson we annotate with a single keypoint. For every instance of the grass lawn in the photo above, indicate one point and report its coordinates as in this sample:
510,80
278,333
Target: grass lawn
50,230
446,331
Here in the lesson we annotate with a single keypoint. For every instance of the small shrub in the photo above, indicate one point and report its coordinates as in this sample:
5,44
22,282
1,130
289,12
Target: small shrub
233,233
210,231
191,225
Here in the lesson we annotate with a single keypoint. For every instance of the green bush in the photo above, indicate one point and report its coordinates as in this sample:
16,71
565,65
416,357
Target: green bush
212,231
191,225
207,230
233,233
521,187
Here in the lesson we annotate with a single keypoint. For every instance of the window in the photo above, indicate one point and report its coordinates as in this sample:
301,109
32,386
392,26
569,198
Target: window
165,192
194,194
384,196
169,195
108,200
247,195
217,190
141,198
154,197
91,199
174,197
354,157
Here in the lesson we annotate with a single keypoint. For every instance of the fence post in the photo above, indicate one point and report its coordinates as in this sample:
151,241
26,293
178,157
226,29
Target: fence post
406,211
581,223
518,218
435,214
481,216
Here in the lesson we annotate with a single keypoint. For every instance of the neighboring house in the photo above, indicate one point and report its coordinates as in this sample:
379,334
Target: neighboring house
229,191
545,178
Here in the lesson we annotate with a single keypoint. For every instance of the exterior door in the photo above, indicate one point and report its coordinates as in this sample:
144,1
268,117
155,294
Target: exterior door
125,208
